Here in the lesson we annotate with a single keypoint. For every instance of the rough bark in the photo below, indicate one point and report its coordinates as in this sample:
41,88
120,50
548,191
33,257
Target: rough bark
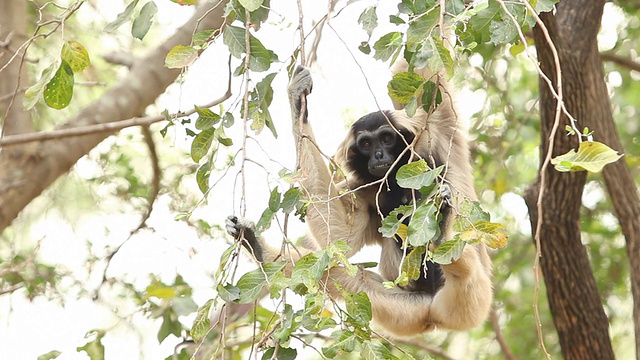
13,25
574,301
31,168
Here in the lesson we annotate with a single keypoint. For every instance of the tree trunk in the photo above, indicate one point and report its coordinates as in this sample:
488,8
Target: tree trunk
571,287
29,169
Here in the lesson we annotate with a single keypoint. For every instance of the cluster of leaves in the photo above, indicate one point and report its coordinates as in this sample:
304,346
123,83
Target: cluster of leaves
208,141
21,271
472,224
305,280
57,87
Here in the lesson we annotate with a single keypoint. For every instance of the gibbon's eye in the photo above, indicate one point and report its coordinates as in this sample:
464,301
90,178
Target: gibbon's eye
364,144
387,138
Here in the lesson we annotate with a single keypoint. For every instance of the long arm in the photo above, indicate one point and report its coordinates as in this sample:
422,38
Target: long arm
329,217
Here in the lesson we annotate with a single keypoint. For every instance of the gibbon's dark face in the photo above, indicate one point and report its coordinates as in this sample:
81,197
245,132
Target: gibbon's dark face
377,145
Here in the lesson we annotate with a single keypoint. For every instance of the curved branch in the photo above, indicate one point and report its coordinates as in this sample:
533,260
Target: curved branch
624,62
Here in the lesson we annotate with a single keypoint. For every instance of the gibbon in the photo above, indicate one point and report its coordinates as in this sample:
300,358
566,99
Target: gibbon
455,296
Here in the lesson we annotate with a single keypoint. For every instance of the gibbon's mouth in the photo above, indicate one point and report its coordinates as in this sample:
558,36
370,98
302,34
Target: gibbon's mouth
379,169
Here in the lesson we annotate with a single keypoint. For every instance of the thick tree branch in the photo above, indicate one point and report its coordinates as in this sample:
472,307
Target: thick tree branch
624,62
30,169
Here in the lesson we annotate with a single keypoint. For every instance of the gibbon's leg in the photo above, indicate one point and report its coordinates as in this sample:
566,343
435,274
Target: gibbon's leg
329,218
465,299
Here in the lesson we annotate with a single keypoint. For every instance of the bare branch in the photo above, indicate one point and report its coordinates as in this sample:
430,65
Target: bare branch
624,62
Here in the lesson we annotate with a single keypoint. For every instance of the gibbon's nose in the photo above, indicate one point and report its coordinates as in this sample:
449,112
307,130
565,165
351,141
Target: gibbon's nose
378,154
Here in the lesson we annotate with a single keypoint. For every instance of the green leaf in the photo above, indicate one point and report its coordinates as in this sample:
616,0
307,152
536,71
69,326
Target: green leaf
392,223
424,225
142,23
183,305
277,283
201,144
228,292
404,86
169,326
591,156
74,54
545,5
482,20
50,355
437,56
122,17
494,235
412,265
251,5
201,37
448,251
256,18
396,20
290,199
375,350
417,174
503,31
222,137
309,269
288,325
358,307
59,91
274,200
430,101
261,58
265,221
251,283
345,343
206,118
412,106
181,56
160,291
202,177
201,324
421,29
369,20
472,212
33,93
94,348
387,45
261,98
283,354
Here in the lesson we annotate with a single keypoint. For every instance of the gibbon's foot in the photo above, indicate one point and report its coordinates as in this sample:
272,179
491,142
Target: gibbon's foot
245,231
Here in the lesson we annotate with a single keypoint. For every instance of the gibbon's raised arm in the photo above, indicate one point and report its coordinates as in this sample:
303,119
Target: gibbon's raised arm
454,296
330,218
